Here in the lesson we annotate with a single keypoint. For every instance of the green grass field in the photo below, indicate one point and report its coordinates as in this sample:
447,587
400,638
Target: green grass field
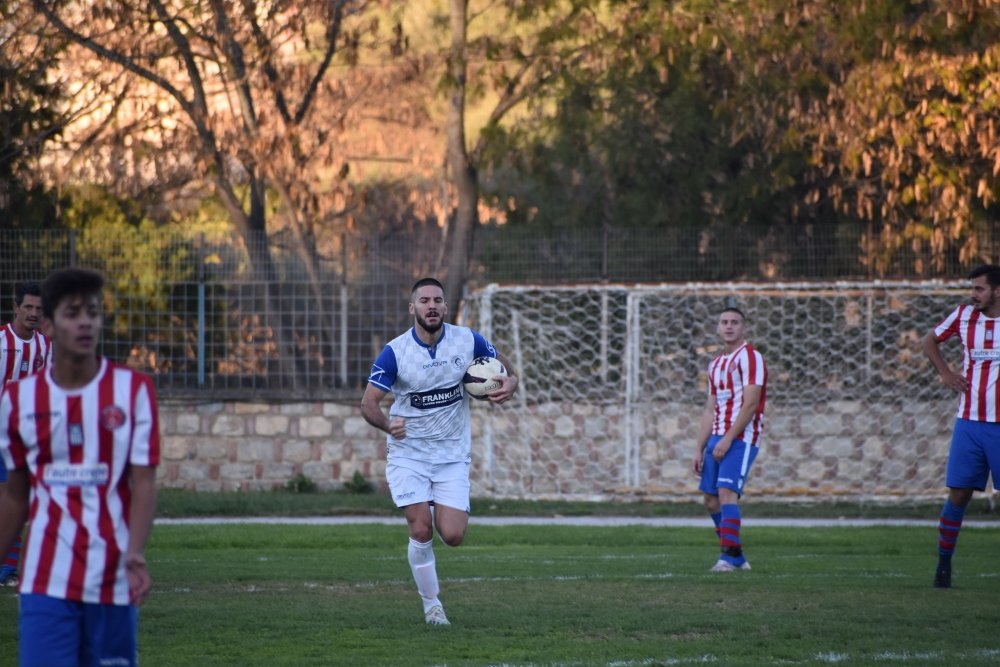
252,595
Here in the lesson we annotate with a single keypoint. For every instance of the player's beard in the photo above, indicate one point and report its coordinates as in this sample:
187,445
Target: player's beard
430,328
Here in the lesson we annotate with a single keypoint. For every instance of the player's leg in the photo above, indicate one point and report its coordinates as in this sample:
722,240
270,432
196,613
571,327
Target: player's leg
709,486
423,565
8,567
714,508
109,635
50,632
968,470
410,487
452,491
732,475
8,571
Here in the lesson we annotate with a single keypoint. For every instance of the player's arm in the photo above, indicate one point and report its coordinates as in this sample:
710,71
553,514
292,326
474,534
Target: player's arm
751,401
371,410
949,378
508,383
704,432
13,507
142,509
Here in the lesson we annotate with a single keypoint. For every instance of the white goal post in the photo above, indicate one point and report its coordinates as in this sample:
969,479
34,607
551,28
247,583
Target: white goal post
613,381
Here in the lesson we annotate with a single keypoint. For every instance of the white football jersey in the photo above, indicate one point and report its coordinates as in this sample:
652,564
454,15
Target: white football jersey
426,383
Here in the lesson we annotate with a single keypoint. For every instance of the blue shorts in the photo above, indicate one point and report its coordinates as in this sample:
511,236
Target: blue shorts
975,452
3,470
731,473
62,633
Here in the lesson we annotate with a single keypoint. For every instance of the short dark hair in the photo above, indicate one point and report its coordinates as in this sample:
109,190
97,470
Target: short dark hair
424,282
63,283
26,288
991,271
733,309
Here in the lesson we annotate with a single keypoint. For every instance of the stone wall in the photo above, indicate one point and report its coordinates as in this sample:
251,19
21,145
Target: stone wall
843,448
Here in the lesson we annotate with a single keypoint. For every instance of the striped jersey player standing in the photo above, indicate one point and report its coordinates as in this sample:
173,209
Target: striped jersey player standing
81,440
729,434
975,440
23,350
429,429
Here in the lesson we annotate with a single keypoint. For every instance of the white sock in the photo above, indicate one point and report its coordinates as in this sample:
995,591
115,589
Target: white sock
422,565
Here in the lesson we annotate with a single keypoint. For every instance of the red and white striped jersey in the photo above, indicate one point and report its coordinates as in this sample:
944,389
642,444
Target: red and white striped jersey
981,366
20,358
77,446
728,374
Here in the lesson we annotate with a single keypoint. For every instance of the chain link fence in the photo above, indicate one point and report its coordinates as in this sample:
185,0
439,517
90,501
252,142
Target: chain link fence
191,310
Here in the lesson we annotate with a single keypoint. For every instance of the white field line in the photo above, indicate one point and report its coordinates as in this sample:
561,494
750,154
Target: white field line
567,521
832,657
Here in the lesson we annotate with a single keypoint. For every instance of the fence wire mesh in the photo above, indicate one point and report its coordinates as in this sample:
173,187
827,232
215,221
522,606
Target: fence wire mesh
193,311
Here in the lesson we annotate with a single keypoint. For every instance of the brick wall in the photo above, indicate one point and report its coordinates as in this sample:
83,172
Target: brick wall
843,448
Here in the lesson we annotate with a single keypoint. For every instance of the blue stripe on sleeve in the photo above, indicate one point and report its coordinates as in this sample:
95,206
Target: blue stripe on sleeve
384,370
481,346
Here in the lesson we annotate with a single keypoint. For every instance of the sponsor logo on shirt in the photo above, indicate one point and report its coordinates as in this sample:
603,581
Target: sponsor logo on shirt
436,398
75,474
981,354
435,363
42,416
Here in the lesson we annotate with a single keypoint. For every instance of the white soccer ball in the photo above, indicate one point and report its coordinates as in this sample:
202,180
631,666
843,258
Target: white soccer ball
479,376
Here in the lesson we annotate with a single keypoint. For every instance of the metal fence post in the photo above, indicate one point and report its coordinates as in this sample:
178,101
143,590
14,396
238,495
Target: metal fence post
201,310
201,333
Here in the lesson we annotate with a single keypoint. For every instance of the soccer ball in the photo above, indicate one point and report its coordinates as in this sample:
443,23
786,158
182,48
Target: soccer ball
479,376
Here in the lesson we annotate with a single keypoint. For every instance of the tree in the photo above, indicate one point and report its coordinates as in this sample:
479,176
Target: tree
239,94
28,116
515,52
907,141
787,125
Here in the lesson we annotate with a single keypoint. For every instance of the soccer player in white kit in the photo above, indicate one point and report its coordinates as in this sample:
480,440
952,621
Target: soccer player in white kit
81,439
429,429
23,350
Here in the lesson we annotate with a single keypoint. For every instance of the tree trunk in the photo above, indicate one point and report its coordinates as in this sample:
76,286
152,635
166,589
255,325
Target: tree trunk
461,171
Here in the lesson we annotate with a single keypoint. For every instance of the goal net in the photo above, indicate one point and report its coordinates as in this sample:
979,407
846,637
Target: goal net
613,380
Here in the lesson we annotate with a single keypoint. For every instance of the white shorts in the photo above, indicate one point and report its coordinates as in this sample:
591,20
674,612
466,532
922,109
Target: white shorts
413,482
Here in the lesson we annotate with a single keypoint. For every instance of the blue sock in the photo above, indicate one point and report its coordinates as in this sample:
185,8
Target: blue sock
717,520
948,528
729,539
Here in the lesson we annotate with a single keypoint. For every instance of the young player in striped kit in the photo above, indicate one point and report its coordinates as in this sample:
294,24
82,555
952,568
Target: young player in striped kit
81,439
23,350
975,440
429,429
729,434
